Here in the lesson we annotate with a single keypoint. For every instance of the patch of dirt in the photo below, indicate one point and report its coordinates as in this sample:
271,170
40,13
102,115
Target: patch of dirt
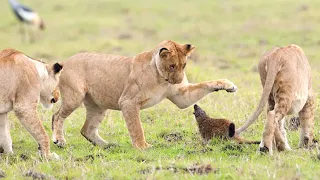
111,146
89,157
294,124
238,46
116,49
202,151
263,42
35,175
196,56
247,54
2,174
201,169
125,10
141,159
146,171
254,68
303,7
148,120
222,63
172,137
197,168
233,147
58,7
149,32
125,36
24,157
43,55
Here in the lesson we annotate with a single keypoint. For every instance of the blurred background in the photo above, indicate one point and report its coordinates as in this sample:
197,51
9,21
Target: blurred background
234,33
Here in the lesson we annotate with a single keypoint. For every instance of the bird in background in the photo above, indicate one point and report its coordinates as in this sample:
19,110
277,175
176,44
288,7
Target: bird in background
27,18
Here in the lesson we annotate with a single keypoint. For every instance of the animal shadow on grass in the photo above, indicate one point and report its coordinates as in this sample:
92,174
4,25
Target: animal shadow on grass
35,175
172,136
195,169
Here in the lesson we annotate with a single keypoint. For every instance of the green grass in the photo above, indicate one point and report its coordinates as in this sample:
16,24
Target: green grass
230,37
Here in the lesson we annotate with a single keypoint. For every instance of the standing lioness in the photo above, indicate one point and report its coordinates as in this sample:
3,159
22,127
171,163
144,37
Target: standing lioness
23,82
103,81
286,79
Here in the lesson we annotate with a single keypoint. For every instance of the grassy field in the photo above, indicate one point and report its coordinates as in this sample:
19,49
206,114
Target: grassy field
230,37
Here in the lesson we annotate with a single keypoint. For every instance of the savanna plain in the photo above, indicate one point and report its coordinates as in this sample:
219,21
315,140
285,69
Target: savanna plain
230,37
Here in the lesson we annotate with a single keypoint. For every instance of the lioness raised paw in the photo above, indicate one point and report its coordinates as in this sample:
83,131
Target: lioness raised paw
229,86
222,84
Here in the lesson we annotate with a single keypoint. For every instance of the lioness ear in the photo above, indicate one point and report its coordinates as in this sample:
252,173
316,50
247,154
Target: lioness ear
164,52
57,68
189,49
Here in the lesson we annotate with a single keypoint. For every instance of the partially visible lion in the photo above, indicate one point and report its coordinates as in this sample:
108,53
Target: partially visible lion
286,79
129,84
23,82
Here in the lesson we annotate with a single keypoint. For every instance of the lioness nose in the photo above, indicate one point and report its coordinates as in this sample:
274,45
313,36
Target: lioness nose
53,100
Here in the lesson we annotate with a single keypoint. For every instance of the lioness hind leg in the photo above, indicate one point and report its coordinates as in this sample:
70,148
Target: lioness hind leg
281,136
5,138
306,116
90,128
69,104
266,144
28,116
282,106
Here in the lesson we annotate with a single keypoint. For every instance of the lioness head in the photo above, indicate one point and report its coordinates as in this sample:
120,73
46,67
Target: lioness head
171,60
49,93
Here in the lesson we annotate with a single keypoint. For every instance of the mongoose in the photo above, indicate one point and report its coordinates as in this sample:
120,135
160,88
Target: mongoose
217,127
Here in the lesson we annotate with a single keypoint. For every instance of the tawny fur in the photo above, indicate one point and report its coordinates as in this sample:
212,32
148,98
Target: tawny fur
286,79
23,82
217,128
129,84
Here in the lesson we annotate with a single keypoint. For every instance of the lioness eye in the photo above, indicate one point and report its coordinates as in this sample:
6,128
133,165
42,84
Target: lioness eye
184,65
172,66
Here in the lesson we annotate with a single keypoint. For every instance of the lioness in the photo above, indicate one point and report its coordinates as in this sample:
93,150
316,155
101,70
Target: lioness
103,81
286,79
23,81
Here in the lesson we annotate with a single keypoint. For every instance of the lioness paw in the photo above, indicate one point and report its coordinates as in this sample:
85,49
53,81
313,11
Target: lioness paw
229,86
142,146
60,143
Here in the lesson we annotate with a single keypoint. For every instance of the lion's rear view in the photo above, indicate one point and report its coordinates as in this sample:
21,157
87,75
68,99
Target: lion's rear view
286,79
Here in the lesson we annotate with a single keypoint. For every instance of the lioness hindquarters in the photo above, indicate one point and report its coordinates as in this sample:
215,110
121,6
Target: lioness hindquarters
286,79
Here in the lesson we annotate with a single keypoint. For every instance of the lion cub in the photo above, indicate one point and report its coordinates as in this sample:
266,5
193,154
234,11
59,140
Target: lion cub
285,75
220,128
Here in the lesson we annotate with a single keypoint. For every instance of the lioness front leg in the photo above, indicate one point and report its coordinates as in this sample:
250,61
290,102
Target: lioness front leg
131,114
186,95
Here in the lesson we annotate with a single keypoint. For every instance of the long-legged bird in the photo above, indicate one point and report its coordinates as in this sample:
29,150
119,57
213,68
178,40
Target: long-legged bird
27,17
